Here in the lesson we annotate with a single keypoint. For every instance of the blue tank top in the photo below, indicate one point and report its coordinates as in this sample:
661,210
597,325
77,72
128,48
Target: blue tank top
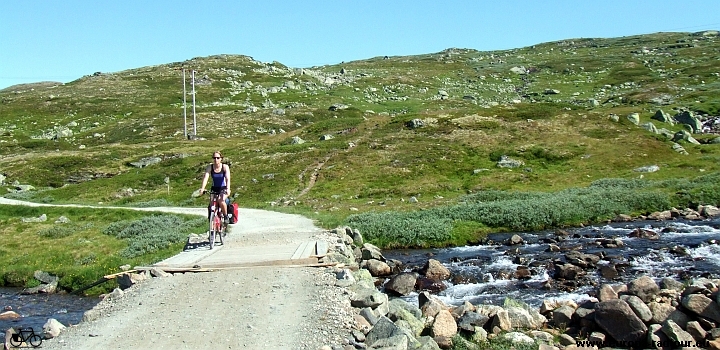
218,178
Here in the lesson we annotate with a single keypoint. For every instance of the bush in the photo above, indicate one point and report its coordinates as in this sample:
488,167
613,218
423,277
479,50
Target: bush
151,233
619,184
63,230
415,229
56,231
701,190
21,195
87,260
516,211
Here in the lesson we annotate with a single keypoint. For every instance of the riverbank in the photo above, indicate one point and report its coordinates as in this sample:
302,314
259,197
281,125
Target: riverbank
646,312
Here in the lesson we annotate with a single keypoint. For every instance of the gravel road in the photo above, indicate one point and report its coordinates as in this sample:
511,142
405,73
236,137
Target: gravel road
244,308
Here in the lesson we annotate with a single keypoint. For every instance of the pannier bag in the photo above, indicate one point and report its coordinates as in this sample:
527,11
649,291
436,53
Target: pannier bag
233,212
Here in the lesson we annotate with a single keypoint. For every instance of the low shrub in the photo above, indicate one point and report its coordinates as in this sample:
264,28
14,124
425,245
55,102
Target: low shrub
56,231
516,211
392,229
63,230
21,195
151,233
618,184
87,260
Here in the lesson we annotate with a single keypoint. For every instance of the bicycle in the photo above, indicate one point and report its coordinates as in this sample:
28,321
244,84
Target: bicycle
218,228
25,335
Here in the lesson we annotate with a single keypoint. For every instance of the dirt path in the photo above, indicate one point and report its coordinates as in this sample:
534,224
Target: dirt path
248,308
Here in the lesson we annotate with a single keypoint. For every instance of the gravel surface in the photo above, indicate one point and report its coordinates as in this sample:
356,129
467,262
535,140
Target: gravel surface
244,308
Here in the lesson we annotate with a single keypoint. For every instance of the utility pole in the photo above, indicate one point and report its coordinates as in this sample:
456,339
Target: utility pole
184,106
193,107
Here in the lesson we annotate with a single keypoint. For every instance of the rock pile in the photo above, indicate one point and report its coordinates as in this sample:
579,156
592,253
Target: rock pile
639,314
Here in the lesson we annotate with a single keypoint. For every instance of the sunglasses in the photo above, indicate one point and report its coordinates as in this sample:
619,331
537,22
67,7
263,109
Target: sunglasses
217,157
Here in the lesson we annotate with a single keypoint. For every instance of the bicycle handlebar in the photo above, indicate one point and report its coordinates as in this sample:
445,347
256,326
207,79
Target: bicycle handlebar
213,192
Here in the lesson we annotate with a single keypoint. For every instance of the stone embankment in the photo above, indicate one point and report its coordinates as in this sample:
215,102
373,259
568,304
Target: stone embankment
640,313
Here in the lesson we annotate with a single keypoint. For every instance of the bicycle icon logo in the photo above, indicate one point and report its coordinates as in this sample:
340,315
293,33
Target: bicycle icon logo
25,336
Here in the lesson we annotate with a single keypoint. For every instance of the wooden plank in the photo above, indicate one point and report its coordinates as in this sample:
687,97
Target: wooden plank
309,249
299,250
109,277
278,263
286,262
321,248
172,269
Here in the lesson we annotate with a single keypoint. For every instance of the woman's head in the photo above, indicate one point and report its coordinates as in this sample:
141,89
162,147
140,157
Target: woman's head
217,156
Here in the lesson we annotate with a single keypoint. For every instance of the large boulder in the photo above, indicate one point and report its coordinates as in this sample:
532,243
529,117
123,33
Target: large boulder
662,116
702,306
384,328
639,307
370,251
676,334
401,310
366,297
401,284
684,135
378,268
689,119
525,319
9,315
52,328
568,272
435,270
634,118
430,305
147,161
644,287
444,325
470,320
619,321
562,316
581,259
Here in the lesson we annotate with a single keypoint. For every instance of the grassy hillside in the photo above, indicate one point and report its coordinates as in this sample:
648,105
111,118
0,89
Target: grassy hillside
550,106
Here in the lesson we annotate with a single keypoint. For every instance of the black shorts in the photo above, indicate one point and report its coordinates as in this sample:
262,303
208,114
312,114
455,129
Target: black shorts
214,189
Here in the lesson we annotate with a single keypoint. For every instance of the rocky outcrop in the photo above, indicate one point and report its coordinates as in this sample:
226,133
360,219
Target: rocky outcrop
653,314
48,283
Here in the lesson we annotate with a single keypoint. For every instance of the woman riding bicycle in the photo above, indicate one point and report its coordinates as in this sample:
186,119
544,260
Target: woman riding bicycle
220,174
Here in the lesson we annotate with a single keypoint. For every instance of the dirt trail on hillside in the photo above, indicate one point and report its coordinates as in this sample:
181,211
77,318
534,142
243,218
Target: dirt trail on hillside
246,308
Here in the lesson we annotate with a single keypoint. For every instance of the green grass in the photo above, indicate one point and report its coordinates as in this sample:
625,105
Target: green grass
87,247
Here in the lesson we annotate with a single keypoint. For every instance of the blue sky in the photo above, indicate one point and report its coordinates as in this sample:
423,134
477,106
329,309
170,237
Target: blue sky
64,40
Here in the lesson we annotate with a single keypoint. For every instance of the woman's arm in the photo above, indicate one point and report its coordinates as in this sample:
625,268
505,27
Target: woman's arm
227,178
205,178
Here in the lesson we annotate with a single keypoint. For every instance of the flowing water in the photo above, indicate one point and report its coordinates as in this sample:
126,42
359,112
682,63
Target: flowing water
36,309
484,274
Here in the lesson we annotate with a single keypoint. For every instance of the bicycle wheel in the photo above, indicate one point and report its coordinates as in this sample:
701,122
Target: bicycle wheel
218,227
221,234
211,237
16,341
35,340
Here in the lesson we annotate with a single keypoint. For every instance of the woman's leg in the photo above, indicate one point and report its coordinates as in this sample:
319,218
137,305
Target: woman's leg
223,205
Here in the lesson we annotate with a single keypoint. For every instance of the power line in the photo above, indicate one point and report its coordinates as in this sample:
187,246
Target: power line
697,26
